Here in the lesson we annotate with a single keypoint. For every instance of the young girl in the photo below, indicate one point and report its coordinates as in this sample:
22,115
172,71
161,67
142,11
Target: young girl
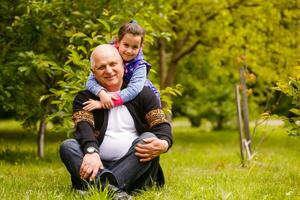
129,44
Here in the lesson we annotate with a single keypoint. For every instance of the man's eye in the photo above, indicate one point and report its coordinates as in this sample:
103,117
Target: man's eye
100,67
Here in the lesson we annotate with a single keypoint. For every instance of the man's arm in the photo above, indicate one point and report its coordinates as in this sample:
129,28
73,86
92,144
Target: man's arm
158,124
84,122
84,134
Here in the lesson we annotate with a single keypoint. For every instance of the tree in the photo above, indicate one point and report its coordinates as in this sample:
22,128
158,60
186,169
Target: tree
35,36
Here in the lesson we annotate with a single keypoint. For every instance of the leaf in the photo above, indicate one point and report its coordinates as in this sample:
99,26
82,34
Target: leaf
23,69
295,111
83,49
105,24
44,97
79,35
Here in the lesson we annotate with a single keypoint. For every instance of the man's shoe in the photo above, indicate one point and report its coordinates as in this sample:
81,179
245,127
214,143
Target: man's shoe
118,194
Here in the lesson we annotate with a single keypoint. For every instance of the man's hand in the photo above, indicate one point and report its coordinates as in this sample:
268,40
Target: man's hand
151,148
91,163
105,99
92,105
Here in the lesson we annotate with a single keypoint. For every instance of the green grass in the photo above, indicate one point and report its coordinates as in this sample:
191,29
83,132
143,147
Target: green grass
200,165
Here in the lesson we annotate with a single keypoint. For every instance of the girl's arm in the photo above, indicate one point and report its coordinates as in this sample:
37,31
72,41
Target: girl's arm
92,85
135,85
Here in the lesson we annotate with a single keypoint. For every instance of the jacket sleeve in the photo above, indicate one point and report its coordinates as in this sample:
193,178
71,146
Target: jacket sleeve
155,117
84,123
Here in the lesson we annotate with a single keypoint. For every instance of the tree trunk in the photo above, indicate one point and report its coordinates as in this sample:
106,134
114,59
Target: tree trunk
162,62
245,112
42,131
41,136
170,78
219,123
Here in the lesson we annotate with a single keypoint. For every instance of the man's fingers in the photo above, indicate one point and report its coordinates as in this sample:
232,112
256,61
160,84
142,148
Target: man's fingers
142,149
145,159
148,140
83,171
92,177
142,155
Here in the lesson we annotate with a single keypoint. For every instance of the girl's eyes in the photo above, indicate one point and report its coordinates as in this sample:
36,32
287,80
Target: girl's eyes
127,46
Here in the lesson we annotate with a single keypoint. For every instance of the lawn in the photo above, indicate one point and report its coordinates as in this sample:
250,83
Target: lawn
200,165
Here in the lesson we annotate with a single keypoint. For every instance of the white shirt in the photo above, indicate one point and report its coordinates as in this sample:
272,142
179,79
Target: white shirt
119,135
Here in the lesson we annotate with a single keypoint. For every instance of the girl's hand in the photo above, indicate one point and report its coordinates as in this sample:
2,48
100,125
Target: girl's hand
92,105
106,100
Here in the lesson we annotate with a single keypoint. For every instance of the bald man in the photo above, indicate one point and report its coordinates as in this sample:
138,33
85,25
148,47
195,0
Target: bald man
117,148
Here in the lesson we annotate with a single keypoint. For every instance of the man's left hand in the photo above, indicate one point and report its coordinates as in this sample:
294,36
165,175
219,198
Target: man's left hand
151,148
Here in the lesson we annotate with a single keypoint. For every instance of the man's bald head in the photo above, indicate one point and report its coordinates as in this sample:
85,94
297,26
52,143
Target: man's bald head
103,50
107,66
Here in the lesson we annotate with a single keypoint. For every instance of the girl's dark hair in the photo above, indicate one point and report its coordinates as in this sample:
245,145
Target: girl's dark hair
133,28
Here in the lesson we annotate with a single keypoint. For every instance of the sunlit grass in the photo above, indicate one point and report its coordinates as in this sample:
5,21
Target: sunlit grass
200,165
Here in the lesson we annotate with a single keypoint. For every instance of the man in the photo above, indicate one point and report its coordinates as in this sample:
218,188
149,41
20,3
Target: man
117,148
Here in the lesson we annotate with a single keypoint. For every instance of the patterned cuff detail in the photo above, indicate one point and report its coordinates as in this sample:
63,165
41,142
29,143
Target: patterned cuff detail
155,117
83,116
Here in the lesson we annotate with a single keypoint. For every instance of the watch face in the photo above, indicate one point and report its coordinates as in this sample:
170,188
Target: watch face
91,150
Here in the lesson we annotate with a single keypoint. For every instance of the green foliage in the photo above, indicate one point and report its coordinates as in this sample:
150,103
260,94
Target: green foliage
263,32
291,88
32,47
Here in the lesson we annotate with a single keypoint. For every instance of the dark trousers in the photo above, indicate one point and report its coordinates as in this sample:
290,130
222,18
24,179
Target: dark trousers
128,173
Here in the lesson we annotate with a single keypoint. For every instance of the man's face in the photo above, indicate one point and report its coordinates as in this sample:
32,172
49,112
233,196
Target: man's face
109,70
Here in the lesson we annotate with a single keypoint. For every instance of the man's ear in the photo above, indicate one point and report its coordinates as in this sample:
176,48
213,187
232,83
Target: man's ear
92,70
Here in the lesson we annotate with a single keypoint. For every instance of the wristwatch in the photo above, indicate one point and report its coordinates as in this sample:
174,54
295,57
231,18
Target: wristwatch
92,150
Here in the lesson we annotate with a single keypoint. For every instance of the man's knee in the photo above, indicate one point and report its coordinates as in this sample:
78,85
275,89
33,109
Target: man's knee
68,146
144,136
147,135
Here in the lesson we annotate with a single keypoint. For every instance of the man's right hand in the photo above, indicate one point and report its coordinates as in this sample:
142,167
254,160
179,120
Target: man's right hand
105,99
91,164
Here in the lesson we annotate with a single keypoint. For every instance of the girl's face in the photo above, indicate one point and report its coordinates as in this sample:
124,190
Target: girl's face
129,46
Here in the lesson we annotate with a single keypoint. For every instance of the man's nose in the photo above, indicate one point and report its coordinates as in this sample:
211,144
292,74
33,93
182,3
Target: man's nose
108,70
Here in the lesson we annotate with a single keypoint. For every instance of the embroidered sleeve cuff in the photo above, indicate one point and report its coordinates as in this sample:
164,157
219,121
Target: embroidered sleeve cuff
83,115
155,117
